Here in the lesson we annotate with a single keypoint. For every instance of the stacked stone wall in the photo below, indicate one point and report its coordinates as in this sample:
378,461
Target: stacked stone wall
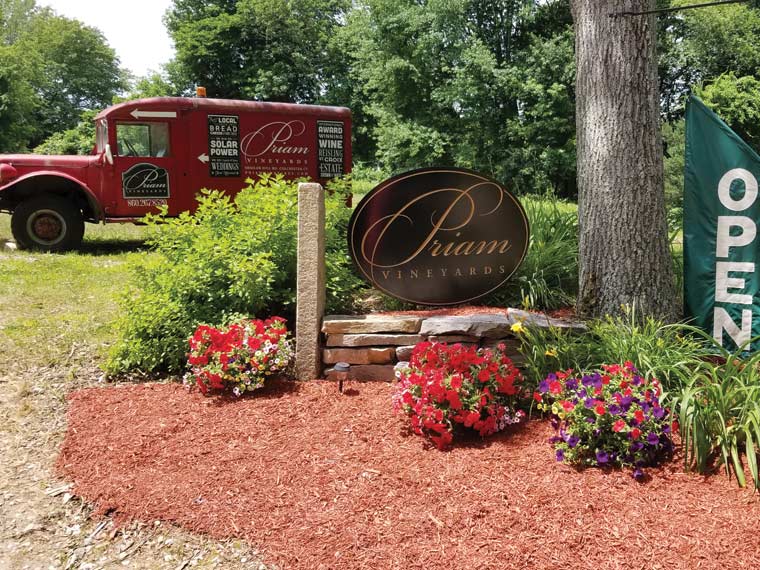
373,344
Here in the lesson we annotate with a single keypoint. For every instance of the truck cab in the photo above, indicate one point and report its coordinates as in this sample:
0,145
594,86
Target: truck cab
160,152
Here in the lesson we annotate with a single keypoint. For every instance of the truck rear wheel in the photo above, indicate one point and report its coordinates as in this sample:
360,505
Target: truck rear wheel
47,223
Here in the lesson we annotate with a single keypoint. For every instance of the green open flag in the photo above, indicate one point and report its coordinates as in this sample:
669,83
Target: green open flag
721,212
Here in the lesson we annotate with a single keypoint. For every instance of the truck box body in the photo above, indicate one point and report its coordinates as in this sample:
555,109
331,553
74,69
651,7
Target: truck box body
162,151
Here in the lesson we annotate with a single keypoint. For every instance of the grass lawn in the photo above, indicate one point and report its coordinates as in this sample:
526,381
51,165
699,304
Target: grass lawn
55,305
57,314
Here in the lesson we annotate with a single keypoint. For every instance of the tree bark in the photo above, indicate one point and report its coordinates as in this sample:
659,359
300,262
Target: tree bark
624,256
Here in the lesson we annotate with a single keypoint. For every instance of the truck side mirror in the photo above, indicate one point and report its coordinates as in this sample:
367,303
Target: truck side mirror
108,154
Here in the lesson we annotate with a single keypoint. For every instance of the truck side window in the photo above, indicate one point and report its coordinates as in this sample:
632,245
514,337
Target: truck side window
142,139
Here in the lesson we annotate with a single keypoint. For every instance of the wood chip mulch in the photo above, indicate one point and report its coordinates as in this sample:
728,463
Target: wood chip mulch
323,481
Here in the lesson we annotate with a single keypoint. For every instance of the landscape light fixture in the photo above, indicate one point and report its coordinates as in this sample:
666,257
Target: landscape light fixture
341,371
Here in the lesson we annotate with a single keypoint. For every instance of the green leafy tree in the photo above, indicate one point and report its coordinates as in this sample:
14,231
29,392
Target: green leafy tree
51,70
79,140
18,99
258,49
79,70
481,84
15,17
737,101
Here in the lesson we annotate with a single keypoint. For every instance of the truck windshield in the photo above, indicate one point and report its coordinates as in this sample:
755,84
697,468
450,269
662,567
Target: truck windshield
142,139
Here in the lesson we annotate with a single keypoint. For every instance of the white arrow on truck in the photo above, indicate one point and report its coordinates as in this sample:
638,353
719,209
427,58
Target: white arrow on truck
138,114
203,158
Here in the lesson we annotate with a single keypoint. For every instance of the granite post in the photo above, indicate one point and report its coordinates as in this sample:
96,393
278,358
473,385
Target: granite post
310,288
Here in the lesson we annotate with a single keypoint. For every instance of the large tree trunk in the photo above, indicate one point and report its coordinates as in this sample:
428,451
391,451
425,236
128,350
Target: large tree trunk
624,253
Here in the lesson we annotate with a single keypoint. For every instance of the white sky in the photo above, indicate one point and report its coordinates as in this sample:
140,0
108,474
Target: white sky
134,28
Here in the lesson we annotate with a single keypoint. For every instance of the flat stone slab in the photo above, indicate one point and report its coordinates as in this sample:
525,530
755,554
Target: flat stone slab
453,339
479,325
366,373
543,321
373,339
335,324
359,355
404,353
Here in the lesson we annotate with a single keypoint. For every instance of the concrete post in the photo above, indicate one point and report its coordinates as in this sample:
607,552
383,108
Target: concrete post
310,289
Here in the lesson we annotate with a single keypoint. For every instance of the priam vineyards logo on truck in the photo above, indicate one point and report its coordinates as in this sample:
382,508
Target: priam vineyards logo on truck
438,236
145,180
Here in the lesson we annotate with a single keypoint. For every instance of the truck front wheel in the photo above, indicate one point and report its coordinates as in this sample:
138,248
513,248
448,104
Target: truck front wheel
47,223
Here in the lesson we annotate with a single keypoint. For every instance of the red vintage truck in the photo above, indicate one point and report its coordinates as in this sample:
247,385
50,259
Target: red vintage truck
161,152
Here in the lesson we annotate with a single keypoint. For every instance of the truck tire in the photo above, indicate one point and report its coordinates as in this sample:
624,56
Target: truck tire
47,223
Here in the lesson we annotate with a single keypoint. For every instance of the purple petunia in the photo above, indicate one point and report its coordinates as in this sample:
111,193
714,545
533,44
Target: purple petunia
638,474
573,440
587,381
602,457
636,446
560,455
614,410
543,386
653,438
658,413
571,384
589,403
636,381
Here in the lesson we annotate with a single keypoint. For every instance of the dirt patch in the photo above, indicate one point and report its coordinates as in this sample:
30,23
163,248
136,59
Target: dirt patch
319,480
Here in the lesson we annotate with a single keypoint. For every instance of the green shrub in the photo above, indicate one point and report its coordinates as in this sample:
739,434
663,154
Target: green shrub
667,352
548,276
229,257
719,413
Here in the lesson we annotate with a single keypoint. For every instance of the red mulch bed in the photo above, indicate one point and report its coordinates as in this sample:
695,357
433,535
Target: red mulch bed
319,480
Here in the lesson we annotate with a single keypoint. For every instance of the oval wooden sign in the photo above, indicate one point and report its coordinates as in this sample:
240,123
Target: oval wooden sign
438,236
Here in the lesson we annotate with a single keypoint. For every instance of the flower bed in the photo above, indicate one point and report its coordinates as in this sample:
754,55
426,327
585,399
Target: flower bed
239,356
610,417
315,479
444,386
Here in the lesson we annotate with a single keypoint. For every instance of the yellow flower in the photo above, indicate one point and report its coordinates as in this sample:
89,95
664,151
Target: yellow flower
551,352
518,328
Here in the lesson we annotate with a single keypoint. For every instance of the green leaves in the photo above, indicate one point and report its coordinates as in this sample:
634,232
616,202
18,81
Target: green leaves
718,410
737,101
229,257
51,69
257,49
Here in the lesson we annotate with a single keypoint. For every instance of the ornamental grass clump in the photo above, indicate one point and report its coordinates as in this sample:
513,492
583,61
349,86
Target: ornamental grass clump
446,388
610,417
239,356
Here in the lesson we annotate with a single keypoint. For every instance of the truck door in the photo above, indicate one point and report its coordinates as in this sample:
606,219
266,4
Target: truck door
145,167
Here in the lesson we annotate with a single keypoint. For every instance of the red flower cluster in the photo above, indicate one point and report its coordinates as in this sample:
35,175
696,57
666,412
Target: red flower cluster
240,355
443,386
